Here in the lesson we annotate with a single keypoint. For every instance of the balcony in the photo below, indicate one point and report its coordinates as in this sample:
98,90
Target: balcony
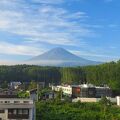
18,116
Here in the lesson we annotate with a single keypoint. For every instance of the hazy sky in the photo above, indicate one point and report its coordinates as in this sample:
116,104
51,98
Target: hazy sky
88,28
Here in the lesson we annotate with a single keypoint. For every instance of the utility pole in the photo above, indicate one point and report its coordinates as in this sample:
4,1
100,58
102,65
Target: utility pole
61,94
37,87
37,92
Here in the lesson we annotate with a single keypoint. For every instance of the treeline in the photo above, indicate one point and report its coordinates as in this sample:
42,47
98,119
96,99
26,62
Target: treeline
108,73
27,73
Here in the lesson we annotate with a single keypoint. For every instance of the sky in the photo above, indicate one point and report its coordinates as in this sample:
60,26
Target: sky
87,28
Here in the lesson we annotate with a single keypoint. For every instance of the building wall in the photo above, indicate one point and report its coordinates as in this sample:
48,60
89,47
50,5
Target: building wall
76,92
8,104
113,100
4,115
66,90
102,92
118,100
84,91
13,100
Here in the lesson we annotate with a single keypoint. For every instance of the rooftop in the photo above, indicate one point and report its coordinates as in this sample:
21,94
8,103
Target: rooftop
84,86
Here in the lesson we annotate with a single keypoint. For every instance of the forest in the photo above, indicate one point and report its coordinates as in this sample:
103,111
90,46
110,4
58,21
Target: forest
107,73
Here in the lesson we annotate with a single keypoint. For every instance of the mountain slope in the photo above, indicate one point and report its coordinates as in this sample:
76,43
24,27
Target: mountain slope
59,57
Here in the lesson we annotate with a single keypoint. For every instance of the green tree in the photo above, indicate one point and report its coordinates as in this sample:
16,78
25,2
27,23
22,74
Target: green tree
23,94
59,95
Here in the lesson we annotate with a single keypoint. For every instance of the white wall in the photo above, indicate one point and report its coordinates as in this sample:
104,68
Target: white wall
118,100
113,100
4,115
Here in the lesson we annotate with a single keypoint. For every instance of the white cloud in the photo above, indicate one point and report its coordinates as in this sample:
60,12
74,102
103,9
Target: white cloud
48,1
44,23
98,57
8,48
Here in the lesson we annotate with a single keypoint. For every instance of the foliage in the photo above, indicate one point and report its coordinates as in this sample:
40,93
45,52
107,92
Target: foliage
4,84
59,95
23,94
43,91
61,110
105,101
32,85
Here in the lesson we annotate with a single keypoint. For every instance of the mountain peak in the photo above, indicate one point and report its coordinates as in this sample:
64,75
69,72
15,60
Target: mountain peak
58,48
59,57
57,54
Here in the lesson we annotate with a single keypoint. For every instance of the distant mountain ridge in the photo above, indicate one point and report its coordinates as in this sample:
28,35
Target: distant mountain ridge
60,57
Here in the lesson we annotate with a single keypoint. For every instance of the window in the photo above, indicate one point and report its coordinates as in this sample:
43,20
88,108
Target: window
7,101
16,101
26,102
14,112
18,114
10,111
25,111
2,111
19,111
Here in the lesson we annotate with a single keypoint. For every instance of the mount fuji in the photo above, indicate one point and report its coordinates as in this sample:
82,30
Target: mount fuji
61,58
